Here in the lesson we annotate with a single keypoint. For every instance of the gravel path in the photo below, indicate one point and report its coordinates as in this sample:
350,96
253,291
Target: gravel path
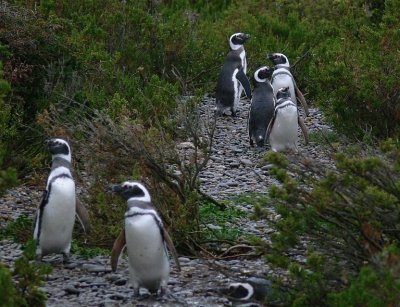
234,169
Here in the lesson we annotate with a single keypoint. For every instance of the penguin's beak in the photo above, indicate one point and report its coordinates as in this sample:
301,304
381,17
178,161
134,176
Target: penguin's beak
271,56
114,188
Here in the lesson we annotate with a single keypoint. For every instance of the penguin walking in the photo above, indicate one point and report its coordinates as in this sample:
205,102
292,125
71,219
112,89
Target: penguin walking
282,131
262,106
282,77
55,216
232,78
145,238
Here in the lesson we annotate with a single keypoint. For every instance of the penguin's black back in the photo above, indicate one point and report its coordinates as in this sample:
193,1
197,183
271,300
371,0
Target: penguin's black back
262,108
225,90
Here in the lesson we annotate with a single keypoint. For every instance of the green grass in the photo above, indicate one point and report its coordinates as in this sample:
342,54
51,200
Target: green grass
77,248
20,230
324,137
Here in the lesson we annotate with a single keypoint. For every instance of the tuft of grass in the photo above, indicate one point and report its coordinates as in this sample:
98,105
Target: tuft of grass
87,252
20,230
324,137
221,220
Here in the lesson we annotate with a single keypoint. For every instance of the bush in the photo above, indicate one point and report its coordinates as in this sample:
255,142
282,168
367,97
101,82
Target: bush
344,216
28,276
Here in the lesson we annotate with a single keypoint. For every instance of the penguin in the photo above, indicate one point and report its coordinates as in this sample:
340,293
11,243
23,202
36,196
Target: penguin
232,78
145,238
282,77
282,131
55,216
262,106
249,292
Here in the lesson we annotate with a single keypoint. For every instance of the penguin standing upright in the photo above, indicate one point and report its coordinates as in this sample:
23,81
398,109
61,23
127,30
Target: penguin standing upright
282,131
282,77
232,78
262,106
55,217
145,238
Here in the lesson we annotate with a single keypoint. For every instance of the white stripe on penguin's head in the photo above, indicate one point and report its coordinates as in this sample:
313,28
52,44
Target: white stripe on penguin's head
237,40
59,148
244,291
134,190
262,74
279,59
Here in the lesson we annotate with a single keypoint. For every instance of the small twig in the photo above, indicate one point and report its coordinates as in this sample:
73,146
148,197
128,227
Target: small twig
235,247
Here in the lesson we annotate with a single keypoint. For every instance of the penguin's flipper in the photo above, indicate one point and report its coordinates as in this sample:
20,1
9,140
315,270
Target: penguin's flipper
83,216
303,129
270,125
171,247
303,102
244,81
118,246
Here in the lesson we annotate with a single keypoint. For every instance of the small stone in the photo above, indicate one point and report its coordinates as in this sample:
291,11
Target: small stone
93,268
71,290
120,282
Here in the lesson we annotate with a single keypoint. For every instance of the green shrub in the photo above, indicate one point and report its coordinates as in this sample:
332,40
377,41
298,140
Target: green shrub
28,277
20,230
344,216
375,285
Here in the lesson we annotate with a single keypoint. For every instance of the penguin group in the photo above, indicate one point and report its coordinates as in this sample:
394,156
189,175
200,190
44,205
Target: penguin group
147,242
273,114
273,117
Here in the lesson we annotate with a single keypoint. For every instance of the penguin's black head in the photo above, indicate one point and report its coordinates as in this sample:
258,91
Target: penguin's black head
283,93
263,73
130,189
59,147
239,291
278,58
238,39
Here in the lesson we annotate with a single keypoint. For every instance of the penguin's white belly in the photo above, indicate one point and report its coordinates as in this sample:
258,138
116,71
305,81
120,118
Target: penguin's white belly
284,132
237,89
148,260
58,218
283,80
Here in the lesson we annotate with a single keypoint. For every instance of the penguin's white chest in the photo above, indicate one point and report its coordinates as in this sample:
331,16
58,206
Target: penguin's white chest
148,260
244,60
58,217
284,132
284,80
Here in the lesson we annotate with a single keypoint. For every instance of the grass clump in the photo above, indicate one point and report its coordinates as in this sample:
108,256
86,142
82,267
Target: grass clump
218,223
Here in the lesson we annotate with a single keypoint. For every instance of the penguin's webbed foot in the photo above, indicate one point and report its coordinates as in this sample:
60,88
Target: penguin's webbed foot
163,290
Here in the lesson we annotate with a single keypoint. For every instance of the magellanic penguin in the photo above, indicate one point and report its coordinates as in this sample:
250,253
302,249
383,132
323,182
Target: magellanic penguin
55,217
282,131
262,106
249,292
232,78
282,77
145,238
